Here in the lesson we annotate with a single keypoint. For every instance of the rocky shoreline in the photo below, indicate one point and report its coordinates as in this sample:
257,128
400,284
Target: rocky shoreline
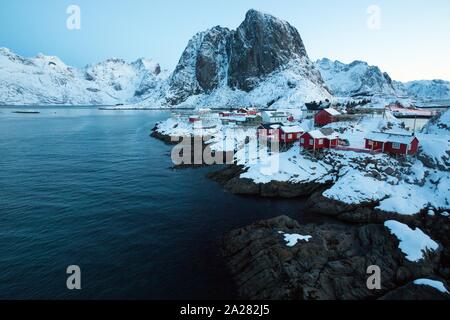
169,140
333,266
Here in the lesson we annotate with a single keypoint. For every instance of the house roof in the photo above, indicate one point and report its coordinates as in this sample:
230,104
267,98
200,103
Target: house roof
269,126
332,111
236,118
292,129
327,133
390,137
314,107
276,113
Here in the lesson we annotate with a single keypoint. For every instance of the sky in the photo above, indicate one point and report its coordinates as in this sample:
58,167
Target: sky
409,39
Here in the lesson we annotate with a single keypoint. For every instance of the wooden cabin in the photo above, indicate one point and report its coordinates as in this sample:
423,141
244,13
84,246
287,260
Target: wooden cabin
320,139
392,143
326,116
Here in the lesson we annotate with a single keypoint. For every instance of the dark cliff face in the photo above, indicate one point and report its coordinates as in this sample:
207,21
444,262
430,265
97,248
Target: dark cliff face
212,57
260,45
239,59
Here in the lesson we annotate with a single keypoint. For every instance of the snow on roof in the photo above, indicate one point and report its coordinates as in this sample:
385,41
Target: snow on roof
332,111
390,137
276,113
237,118
324,134
413,243
292,129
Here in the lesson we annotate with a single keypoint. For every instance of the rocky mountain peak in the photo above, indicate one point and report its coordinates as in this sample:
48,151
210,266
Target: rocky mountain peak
240,59
262,44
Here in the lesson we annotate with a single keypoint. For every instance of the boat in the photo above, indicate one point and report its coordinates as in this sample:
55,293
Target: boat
26,112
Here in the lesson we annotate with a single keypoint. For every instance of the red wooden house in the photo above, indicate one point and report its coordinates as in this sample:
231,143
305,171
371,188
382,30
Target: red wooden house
326,116
393,143
290,134
193,119
224,114
248,111
320,139
280,133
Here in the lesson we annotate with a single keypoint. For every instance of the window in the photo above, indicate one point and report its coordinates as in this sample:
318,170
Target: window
320,141
311,141
370,142
290,136
396,145
302,140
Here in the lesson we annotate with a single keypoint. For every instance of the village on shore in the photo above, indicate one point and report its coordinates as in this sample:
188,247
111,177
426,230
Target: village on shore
396,157
385,169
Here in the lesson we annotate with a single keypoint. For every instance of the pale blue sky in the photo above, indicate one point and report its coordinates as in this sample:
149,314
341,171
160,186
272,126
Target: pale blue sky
413,42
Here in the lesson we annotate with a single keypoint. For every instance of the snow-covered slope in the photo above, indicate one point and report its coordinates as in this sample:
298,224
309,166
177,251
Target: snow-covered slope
355,79
425,89
360,79
262,63
46,80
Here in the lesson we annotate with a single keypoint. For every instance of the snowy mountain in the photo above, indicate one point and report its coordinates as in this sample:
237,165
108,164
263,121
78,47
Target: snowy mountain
425,89
262,63
359,79
355,79
46,80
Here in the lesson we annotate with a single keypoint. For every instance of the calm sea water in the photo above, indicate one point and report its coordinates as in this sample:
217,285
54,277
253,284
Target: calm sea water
79,186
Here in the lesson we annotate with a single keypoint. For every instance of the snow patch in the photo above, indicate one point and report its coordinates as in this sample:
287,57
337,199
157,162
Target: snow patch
293,239
413,243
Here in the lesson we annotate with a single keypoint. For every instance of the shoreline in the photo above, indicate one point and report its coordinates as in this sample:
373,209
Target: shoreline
363,216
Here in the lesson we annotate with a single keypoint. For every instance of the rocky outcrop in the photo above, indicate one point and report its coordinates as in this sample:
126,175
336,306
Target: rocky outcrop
412,292
192,161
230,178
355,213
332,265
261,45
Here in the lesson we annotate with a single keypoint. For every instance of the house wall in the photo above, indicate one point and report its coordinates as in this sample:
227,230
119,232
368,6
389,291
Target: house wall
414,147
377,145
323,118
388,148
324,145
295,137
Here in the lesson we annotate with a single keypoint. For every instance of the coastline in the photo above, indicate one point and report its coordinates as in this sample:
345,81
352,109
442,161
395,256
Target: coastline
360,218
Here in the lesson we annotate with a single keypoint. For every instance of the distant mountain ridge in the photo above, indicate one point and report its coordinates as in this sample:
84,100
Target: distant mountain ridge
359,79
46,80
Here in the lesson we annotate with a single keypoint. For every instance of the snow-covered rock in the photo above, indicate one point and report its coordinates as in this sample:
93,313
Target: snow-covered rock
425,89
435,142
413,243
438,285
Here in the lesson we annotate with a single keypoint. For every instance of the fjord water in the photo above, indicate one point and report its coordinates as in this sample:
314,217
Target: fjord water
80,186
